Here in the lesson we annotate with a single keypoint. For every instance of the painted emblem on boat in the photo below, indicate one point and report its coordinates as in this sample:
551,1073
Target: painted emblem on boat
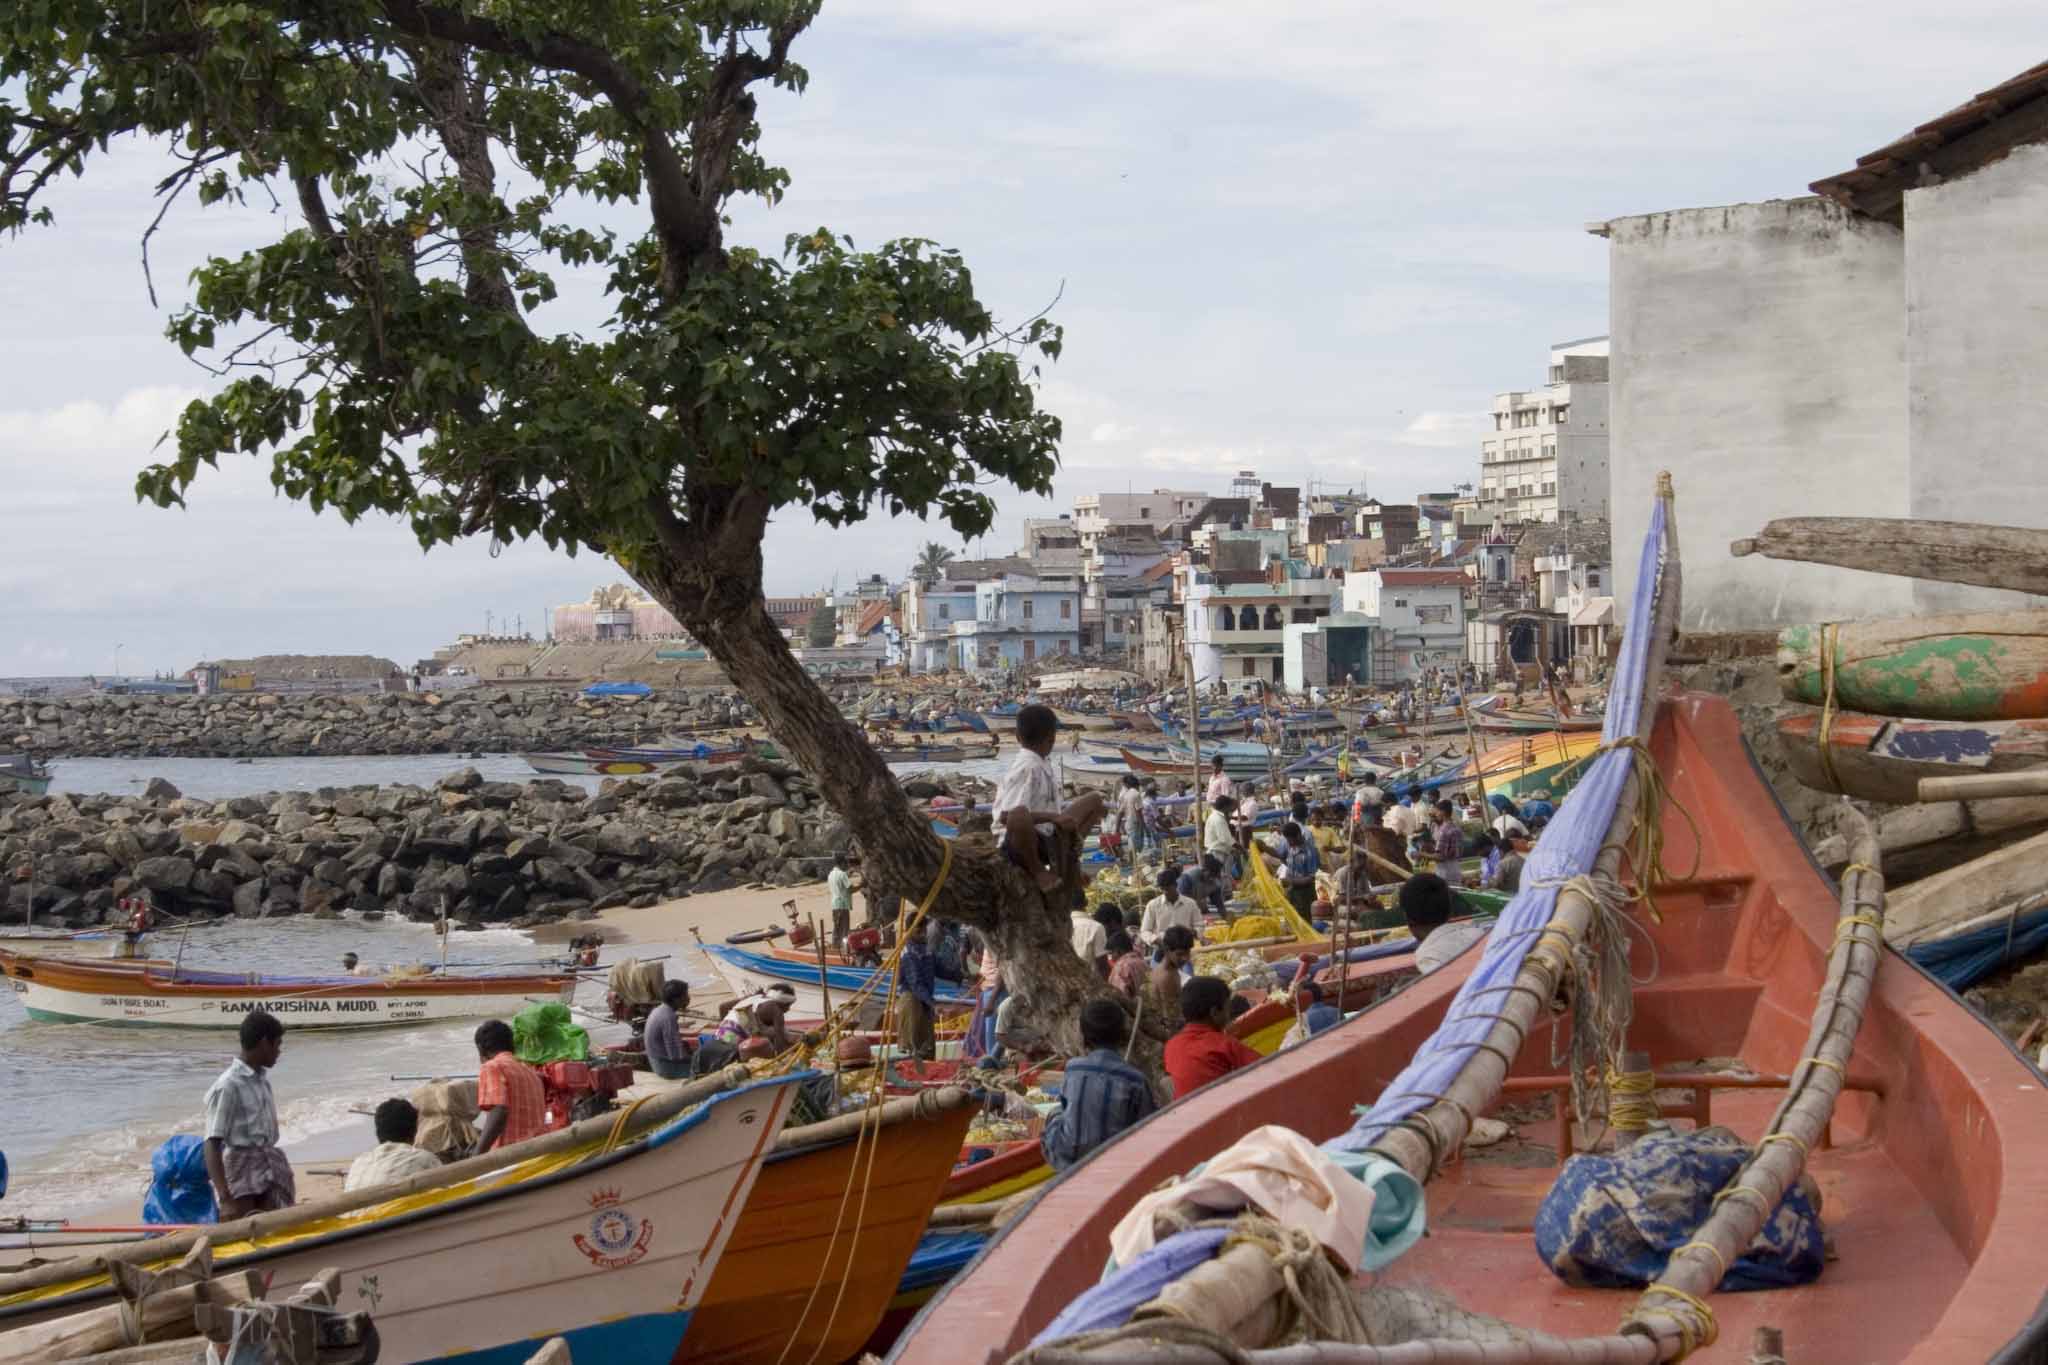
618,1236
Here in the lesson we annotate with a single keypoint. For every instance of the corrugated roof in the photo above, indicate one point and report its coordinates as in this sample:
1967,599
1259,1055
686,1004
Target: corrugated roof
1969,136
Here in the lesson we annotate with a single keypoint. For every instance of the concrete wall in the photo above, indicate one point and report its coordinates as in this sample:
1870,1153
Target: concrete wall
1976,352
1759,355
1582,462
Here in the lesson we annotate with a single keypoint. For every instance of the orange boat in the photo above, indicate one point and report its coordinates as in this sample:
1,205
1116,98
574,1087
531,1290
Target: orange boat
826,1233
1934,1180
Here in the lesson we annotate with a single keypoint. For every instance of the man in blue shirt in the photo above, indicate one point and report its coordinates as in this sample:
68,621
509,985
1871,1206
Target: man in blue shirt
917,983
1102,1095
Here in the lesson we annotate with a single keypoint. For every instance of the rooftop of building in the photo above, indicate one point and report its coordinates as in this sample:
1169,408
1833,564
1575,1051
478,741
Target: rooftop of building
1966,138
1423,578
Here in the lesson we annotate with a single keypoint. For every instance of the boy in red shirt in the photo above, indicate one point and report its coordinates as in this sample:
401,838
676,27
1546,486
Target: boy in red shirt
1202,1052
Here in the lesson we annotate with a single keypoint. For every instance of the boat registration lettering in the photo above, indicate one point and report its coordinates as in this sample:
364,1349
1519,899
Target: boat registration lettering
618,1237
134,1002
301,1005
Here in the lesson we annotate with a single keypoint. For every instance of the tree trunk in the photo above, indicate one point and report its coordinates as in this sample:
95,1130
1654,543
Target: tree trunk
709,575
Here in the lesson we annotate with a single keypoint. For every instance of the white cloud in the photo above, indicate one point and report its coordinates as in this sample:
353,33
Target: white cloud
1446,429
1106,433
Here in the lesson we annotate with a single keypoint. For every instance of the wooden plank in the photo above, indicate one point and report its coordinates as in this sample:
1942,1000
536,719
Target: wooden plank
1910,836
2010,557
1935,906
1982,665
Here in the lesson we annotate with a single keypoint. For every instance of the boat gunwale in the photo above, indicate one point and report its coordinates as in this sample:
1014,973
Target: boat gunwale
129,974
675,1127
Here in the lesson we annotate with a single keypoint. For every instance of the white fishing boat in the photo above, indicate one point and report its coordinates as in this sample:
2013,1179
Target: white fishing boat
610,1249
156,993
98,943
21,773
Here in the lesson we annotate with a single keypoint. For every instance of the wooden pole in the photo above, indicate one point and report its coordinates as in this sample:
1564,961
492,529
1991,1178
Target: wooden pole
824,982
165,1313
2012,557
1976,786
1195,742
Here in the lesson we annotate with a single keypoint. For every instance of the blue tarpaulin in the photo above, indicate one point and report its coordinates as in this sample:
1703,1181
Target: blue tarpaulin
179,1190
1612,1221
617,689
939,1257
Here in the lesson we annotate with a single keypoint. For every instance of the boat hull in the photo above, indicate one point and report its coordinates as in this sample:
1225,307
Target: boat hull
146,994
821,1246
1934,1184
104,945
1879,758
613,1253
745,972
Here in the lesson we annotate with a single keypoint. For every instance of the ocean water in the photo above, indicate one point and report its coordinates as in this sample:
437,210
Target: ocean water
88,1103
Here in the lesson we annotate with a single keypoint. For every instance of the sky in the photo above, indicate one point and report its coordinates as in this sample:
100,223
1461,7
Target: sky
1301,237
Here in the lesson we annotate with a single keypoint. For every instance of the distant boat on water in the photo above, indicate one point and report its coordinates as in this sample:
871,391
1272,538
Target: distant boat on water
21,773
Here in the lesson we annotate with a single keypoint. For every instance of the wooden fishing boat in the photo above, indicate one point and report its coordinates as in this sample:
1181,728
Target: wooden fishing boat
154,993
1533,723
1880,758
100,944
610,1246
827,1233
1933,1184
24,775
1522,767
931,753
631,762
746,972
1982,665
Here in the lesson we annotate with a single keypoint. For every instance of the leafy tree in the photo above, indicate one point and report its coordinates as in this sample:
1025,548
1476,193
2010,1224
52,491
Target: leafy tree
822,628
385,350
931,562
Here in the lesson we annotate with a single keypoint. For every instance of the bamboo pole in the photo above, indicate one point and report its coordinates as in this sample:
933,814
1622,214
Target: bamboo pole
908,1109
1977,786
661,1107
824,982
1195,743
96,1330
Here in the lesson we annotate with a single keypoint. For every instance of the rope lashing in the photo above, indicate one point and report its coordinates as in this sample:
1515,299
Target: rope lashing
1694,1330
1830,632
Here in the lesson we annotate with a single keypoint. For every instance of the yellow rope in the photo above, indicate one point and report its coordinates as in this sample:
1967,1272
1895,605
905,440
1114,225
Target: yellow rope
1631,1100
1861,867
856,1173
1645,845
1733,1191
1835,1067
1828,644
1693,1333
1793,1138
1711,1250
1846,926
618,1130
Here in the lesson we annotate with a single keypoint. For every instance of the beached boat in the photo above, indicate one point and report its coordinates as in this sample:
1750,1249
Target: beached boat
632,762
154,993
97,944
23,775
1522,767
1879,758
1933,1182
932,753
827,1234
746,972
1532,723
609,1245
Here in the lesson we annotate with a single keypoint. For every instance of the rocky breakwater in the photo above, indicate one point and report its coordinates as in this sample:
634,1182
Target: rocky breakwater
497,852
262,725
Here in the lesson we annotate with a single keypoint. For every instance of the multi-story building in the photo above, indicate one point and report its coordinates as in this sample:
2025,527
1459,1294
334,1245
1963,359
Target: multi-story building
1419,614
929,613
1100,514
1018,619
1238,629
1547,457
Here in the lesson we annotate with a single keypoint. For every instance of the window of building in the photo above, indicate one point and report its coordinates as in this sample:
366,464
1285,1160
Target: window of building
1225,621
1557,374
1301,614
1562,409
1248,619
1027,609
1433,616
1030,650
1066,608
1063,646
1550,488
945,611
1400,601
1272,618
1592,578
1144,514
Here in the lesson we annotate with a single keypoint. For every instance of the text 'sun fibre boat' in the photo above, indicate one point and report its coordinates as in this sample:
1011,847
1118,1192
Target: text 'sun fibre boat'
1935,1178
611,1250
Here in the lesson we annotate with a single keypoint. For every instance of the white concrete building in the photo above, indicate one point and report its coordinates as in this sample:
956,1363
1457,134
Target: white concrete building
1875,351
1420,614
1095,513
1547,458
1238,630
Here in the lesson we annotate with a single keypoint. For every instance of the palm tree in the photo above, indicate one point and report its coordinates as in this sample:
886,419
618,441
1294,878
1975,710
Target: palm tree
931,561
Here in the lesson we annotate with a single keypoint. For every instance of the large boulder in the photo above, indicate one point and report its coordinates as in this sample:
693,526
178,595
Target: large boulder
160,789
166,874
465,780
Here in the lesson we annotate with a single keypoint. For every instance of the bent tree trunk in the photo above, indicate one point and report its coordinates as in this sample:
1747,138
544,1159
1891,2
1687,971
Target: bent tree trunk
708,574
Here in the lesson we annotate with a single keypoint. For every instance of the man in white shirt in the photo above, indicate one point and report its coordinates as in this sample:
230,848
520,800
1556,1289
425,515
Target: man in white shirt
394,1157
1027,800
1130,817
1426,901
1369,793
1090,939
1219,781
1167,909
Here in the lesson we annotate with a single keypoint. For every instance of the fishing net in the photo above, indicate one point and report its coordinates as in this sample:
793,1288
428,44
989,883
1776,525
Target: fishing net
1266,893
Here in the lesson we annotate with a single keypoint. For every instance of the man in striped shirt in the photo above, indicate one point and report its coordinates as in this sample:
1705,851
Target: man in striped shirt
509,1094
1102,1095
